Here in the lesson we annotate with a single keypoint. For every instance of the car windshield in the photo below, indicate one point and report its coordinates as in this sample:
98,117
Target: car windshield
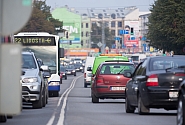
28,62
70,67
135,58
159,64
63,69
116,68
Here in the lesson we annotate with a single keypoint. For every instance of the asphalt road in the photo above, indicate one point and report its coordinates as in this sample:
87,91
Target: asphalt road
74,107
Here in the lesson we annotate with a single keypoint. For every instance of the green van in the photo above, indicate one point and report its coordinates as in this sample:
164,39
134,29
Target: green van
108,58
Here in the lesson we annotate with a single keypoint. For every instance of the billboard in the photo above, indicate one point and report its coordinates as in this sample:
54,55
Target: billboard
131,39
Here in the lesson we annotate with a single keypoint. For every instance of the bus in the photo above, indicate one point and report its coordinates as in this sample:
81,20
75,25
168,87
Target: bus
46,48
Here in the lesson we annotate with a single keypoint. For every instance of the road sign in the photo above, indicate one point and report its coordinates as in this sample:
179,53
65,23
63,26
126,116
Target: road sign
121,32
99,44
117,38
14,15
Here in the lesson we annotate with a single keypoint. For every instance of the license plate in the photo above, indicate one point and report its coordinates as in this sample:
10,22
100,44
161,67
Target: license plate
117,88
173,94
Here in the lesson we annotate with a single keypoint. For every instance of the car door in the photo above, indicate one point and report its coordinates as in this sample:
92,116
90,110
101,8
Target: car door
131,85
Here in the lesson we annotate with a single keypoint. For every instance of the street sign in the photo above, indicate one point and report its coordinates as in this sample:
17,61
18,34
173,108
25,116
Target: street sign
121,32
99,44
117,38
14,15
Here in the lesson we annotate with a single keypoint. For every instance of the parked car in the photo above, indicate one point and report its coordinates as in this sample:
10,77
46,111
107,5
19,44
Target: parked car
154,84
181,104
78,67
109,81
63,73
70,70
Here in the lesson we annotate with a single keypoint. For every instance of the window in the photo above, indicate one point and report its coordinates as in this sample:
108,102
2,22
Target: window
113,32
87,25
119,24
81,25
87,34
93,14
113,24
113,16
103,10
116,10
82,34
118,15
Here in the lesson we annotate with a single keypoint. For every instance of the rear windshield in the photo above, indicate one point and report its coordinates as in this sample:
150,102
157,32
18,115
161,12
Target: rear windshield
116,68
135,58
159,64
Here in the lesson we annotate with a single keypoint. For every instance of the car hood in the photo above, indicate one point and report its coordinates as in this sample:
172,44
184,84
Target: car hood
30,72
69,69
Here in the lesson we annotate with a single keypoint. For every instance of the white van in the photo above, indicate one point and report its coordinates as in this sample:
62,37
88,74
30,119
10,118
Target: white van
87,74
138,57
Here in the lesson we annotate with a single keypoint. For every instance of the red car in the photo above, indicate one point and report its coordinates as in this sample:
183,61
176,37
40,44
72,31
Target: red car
109,80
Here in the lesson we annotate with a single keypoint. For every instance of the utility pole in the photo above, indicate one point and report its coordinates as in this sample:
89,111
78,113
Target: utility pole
103,37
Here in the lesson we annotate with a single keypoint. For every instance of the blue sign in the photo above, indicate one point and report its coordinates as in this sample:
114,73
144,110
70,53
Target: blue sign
123,46
132,38
134,45
117,38
121,32
145,48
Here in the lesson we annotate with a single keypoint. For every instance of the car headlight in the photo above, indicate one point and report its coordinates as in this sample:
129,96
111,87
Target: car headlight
29,80
33,87
54,83
73,71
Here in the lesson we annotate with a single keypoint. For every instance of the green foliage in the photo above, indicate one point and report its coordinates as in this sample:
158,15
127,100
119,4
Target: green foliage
167,25
97,35
41,19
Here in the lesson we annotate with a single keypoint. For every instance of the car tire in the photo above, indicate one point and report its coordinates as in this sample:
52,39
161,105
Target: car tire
61,81
128,107
85,85
75,74
9,116
44,99
3,118
94,99
65,77
38,104
56,94
141,108
181,111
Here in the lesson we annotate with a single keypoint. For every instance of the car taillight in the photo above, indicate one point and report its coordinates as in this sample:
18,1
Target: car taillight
180,74
84,75
99,80
152,80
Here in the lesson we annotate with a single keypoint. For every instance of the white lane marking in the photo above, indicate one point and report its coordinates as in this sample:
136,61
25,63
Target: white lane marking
62,112
51,120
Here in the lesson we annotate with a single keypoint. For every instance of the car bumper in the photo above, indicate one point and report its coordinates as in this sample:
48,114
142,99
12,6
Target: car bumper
106,92
159,98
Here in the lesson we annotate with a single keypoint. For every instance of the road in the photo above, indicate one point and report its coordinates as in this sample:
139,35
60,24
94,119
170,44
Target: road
74,107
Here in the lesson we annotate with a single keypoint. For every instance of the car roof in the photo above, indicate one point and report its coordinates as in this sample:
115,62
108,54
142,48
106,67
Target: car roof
27,53
174,56
117,63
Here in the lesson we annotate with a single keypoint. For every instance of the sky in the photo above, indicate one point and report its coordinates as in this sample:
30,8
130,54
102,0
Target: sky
143,5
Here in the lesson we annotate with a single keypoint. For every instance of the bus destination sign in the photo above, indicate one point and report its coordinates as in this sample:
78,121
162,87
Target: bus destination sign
35,40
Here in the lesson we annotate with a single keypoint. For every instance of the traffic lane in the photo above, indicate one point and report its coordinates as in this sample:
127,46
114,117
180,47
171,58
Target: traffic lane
80,110
30,116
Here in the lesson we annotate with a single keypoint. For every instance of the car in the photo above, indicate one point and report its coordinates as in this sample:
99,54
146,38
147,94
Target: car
34,85
78,67
70,70
109,81
63,73
181,104
87,74
154,84
77,60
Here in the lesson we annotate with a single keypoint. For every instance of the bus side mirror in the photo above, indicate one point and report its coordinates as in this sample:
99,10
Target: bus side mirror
61,53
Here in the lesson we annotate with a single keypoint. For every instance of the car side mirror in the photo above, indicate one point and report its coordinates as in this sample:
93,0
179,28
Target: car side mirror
127,74
89,69
23,72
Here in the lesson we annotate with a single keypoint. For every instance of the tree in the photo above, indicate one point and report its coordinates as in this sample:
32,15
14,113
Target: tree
97,35
41,19
167,25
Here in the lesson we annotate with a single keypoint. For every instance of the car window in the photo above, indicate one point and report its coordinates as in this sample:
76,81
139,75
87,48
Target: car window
159,64
116,68
28,62
63,69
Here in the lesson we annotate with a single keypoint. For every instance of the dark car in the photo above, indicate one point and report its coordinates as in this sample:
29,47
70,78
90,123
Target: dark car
181,104
63,72
109,80
79,67
70,70
154,84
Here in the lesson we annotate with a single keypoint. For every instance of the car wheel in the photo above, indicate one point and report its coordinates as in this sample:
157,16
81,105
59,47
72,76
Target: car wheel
44,99
65,77
128,107
75,74
38,104
9,116
3,118
141,108
61,81
94,99
85,85
181,111
56,94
